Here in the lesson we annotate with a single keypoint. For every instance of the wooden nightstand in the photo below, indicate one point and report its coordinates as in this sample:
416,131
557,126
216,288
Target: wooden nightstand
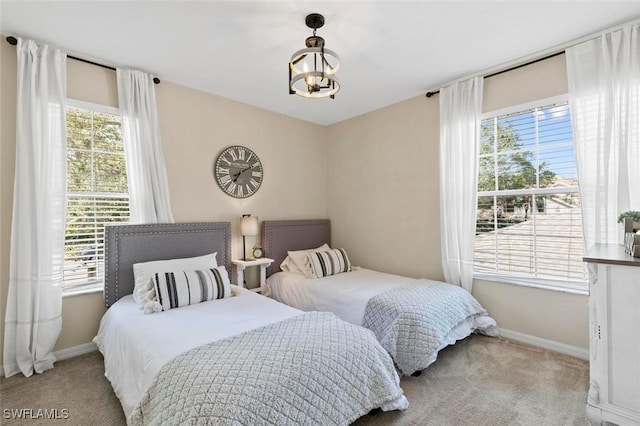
263,263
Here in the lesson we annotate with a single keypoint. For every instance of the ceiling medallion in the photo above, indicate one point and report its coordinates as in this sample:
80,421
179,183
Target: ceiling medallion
312,70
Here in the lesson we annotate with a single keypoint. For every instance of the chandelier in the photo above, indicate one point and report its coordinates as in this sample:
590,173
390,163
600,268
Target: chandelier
312,70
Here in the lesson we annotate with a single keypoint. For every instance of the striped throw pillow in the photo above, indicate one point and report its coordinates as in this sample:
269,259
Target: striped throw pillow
331,262
181,288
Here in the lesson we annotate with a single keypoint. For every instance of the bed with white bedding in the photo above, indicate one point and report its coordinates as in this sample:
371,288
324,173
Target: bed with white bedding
240,358
412,318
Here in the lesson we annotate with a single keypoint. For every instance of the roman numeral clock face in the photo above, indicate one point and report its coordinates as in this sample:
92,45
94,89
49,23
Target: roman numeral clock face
238,171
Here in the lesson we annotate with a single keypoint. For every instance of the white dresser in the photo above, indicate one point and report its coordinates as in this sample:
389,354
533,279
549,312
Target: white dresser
614,321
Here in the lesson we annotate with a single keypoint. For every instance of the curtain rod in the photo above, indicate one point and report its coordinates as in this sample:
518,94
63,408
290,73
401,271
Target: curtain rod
550,53
14,41
553,55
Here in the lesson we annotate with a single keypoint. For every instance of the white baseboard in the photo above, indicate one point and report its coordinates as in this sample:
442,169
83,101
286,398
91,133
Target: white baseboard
551,345
67,353
75,351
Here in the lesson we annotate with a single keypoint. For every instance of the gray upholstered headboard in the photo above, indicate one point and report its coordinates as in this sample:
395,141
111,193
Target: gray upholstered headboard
129,244
280,236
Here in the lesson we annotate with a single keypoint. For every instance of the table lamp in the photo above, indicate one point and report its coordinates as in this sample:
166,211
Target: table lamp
248,227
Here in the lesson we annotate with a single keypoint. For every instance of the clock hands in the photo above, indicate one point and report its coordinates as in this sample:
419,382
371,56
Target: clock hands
235,176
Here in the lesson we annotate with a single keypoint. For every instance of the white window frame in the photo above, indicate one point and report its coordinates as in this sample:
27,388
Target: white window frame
575,287
75,103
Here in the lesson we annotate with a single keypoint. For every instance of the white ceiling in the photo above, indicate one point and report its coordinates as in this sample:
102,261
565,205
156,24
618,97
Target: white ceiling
390,51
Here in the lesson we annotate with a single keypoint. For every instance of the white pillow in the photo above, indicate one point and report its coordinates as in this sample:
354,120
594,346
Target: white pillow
298,263
287,265
175,289
143,291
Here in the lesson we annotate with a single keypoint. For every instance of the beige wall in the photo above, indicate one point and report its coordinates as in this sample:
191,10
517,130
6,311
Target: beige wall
384,200
383,188
195,127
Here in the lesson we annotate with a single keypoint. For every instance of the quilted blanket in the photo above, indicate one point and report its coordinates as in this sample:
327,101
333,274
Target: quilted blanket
310,369
412,321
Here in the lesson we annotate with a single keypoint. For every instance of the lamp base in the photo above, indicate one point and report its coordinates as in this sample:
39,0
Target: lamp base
244,249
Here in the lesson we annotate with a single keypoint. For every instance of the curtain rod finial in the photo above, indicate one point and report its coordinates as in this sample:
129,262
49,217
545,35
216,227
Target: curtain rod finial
12,40
156,80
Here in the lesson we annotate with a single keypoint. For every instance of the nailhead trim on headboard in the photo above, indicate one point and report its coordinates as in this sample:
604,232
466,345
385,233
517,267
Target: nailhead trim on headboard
114,289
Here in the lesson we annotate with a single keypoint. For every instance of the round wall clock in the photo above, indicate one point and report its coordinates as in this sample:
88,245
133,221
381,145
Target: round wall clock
238,171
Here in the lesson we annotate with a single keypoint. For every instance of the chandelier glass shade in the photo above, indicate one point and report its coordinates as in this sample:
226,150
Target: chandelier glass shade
312,70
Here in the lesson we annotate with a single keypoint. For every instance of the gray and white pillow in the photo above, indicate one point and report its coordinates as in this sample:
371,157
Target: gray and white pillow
297,262
175,289
144,293
331,262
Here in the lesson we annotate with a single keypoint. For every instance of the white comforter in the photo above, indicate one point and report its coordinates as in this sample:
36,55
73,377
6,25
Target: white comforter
346,295
135,346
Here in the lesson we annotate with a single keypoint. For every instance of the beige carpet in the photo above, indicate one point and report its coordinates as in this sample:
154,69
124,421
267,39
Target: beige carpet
479,381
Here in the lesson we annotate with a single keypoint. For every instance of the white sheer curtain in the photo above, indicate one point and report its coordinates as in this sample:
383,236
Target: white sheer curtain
460,110
34,304
604,95
148,186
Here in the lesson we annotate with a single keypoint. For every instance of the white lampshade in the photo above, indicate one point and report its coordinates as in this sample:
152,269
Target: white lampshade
248,225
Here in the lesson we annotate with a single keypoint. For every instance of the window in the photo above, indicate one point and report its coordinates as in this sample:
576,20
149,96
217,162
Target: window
96,191
529,227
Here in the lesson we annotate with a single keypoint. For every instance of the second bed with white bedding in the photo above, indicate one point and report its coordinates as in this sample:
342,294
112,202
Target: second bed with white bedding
412,318
411,330
346,295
